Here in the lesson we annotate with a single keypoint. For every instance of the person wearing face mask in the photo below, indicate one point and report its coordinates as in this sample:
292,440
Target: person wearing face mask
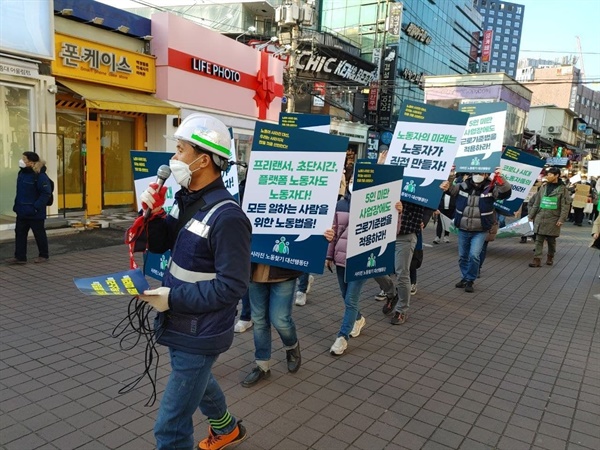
474,217
33,192
209,271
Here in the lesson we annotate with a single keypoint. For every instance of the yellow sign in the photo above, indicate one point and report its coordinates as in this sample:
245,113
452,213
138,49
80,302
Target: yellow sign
90,61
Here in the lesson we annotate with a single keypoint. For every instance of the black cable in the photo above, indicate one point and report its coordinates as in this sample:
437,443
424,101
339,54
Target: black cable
136,326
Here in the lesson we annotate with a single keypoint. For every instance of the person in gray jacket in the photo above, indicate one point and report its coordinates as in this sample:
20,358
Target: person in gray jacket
548,210
474,216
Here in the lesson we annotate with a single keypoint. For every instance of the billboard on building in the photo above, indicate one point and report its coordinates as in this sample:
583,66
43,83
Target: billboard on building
486,48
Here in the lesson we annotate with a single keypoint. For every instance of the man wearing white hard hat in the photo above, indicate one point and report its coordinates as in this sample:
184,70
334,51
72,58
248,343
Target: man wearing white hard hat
209,271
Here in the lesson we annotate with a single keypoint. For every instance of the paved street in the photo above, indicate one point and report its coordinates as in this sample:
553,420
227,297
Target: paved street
516,365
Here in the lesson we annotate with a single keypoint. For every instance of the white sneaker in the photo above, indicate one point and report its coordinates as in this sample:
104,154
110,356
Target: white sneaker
436,240
446,239
242,325
381,296
358,326
413,289
339,346
311,280
300,298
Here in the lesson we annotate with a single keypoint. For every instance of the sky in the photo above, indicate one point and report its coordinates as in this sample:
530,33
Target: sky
550,28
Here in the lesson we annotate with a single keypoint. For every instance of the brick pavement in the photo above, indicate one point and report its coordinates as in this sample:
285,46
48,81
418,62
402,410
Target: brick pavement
513,366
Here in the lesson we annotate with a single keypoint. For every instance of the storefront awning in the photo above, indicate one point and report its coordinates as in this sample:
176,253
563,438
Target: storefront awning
116,99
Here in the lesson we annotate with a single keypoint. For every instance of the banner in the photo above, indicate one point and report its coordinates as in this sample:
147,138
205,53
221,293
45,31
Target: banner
425,142
486,47
521,170
145,165
481,145
130,282
521,227
373,221
386,87
291,192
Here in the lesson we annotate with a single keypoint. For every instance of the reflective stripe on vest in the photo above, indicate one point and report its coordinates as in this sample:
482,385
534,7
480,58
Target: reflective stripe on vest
199,228
188,276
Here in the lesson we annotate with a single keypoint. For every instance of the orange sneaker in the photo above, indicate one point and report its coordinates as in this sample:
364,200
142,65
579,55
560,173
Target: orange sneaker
219,441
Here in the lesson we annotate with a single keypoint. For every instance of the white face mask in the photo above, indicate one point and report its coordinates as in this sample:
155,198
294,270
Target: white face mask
22,164
181,172
478,178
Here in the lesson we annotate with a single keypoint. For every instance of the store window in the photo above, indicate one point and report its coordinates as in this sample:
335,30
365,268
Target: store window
16,110
116,142
70,180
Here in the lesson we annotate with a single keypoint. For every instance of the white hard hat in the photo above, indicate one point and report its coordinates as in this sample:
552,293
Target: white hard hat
206,132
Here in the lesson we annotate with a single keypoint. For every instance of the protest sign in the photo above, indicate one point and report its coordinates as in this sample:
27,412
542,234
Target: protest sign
481,145
521,170
593,168
425,142
581,195
373,221
311,122
145,165
291,192
130,282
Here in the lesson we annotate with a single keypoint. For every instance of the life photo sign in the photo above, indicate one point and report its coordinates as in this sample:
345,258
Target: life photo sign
373,221
291,192
425,142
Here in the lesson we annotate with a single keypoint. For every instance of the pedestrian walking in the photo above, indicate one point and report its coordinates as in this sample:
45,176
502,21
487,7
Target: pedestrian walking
34,190
209,270
548,210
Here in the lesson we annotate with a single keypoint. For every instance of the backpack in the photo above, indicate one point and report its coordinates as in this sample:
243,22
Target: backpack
51,198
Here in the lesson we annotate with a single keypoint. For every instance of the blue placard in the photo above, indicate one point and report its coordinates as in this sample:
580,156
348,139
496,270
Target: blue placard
521,170
313,122
291,191
130,282
373,221
425,142
555,161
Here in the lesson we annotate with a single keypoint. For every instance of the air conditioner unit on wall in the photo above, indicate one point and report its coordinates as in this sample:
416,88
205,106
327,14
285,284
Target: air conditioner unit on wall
553,130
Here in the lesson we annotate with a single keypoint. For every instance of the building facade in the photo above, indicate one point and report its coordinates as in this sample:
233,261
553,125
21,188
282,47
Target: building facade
505,20
431,38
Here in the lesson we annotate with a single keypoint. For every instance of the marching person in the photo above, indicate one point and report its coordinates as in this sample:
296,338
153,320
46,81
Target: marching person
474,216
209,238
548,210
33,193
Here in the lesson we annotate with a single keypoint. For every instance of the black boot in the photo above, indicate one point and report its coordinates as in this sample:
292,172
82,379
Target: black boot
293,359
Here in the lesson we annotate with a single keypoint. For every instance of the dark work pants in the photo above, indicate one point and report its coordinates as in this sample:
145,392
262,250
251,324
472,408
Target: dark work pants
22,228
577,215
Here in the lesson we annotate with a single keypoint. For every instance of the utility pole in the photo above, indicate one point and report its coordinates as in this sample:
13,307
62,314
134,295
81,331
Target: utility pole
289,17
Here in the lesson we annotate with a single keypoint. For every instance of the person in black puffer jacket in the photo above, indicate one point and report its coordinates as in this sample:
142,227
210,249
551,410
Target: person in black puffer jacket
33,192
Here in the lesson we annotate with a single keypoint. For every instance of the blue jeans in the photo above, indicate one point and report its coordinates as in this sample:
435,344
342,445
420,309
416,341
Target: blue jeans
351,294
271,304
191,385
245,314
470,244
405,247
303,282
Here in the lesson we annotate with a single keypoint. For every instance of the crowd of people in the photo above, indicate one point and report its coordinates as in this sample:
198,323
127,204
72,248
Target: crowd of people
210,272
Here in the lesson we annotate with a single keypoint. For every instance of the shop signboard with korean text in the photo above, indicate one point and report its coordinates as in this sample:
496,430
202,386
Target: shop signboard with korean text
291,192
99,63
481,145
521,170
425,143
373,220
